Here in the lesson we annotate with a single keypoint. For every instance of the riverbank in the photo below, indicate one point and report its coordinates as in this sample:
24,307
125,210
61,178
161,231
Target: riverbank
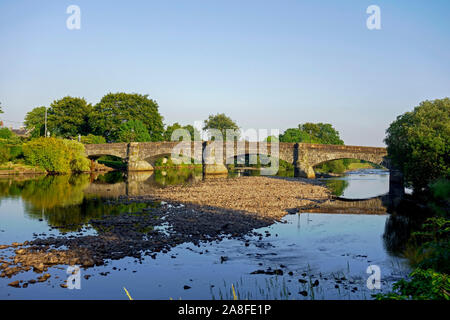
14,169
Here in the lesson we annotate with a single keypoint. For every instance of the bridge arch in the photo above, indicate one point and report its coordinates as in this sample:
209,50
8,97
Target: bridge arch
119,150
326,157
382,163
153,158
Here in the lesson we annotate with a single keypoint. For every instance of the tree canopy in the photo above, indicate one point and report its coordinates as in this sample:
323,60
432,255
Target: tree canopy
220,122
323,133
69,117
133,131
418,143
1,110
170,129
117,108
35,121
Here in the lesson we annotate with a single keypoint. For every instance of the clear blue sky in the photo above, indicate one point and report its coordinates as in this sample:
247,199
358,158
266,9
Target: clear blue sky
267,64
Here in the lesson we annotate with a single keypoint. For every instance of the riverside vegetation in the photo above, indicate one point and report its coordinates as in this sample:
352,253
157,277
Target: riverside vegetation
419,144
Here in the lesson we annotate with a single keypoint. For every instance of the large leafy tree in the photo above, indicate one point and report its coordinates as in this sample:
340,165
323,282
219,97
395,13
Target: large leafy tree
323,133
133,131
294,135
35,121
69,117
117,108
418,143
220,122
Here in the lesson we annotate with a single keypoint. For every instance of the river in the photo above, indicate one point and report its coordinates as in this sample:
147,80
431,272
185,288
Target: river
322,255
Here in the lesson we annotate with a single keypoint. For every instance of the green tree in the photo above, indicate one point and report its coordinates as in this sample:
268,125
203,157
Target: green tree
69,117
220,122
294,135
170,130
133,131
273,139
1,110
35,121
194,133
324,133
117,108
418,143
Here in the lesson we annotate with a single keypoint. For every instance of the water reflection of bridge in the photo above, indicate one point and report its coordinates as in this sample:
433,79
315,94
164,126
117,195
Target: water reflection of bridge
136,184
376,205
141,184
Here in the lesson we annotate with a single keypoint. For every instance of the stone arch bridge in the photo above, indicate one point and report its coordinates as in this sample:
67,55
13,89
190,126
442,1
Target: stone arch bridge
140,156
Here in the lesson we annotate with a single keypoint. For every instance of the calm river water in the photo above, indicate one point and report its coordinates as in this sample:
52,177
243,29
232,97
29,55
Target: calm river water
322,255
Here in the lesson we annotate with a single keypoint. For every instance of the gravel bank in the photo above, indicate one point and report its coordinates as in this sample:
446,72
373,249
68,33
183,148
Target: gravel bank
268,197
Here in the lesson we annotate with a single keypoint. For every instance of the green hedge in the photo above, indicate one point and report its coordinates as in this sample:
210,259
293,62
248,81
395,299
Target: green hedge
56,155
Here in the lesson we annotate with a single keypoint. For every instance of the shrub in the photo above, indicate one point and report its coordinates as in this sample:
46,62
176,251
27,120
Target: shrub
15,152
78,161
5,133
4,154
423,285
56,155
334,166
441,189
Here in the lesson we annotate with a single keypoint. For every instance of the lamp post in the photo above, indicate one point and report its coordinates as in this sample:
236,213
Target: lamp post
45,121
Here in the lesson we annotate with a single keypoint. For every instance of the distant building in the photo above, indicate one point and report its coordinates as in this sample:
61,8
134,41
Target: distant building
21,132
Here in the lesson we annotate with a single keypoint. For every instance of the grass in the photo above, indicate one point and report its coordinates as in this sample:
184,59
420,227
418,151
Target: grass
357,166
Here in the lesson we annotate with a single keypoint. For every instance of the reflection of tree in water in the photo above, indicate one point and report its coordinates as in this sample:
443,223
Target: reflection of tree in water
396,233
47,191
61,202
72,217
337,186
111,177
52,191
405,219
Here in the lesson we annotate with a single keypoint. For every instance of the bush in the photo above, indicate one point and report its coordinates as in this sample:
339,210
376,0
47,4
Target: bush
9,151
334,166
56,155
92,139
423,285
5,133
4,154
15,152
78,161
441,189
